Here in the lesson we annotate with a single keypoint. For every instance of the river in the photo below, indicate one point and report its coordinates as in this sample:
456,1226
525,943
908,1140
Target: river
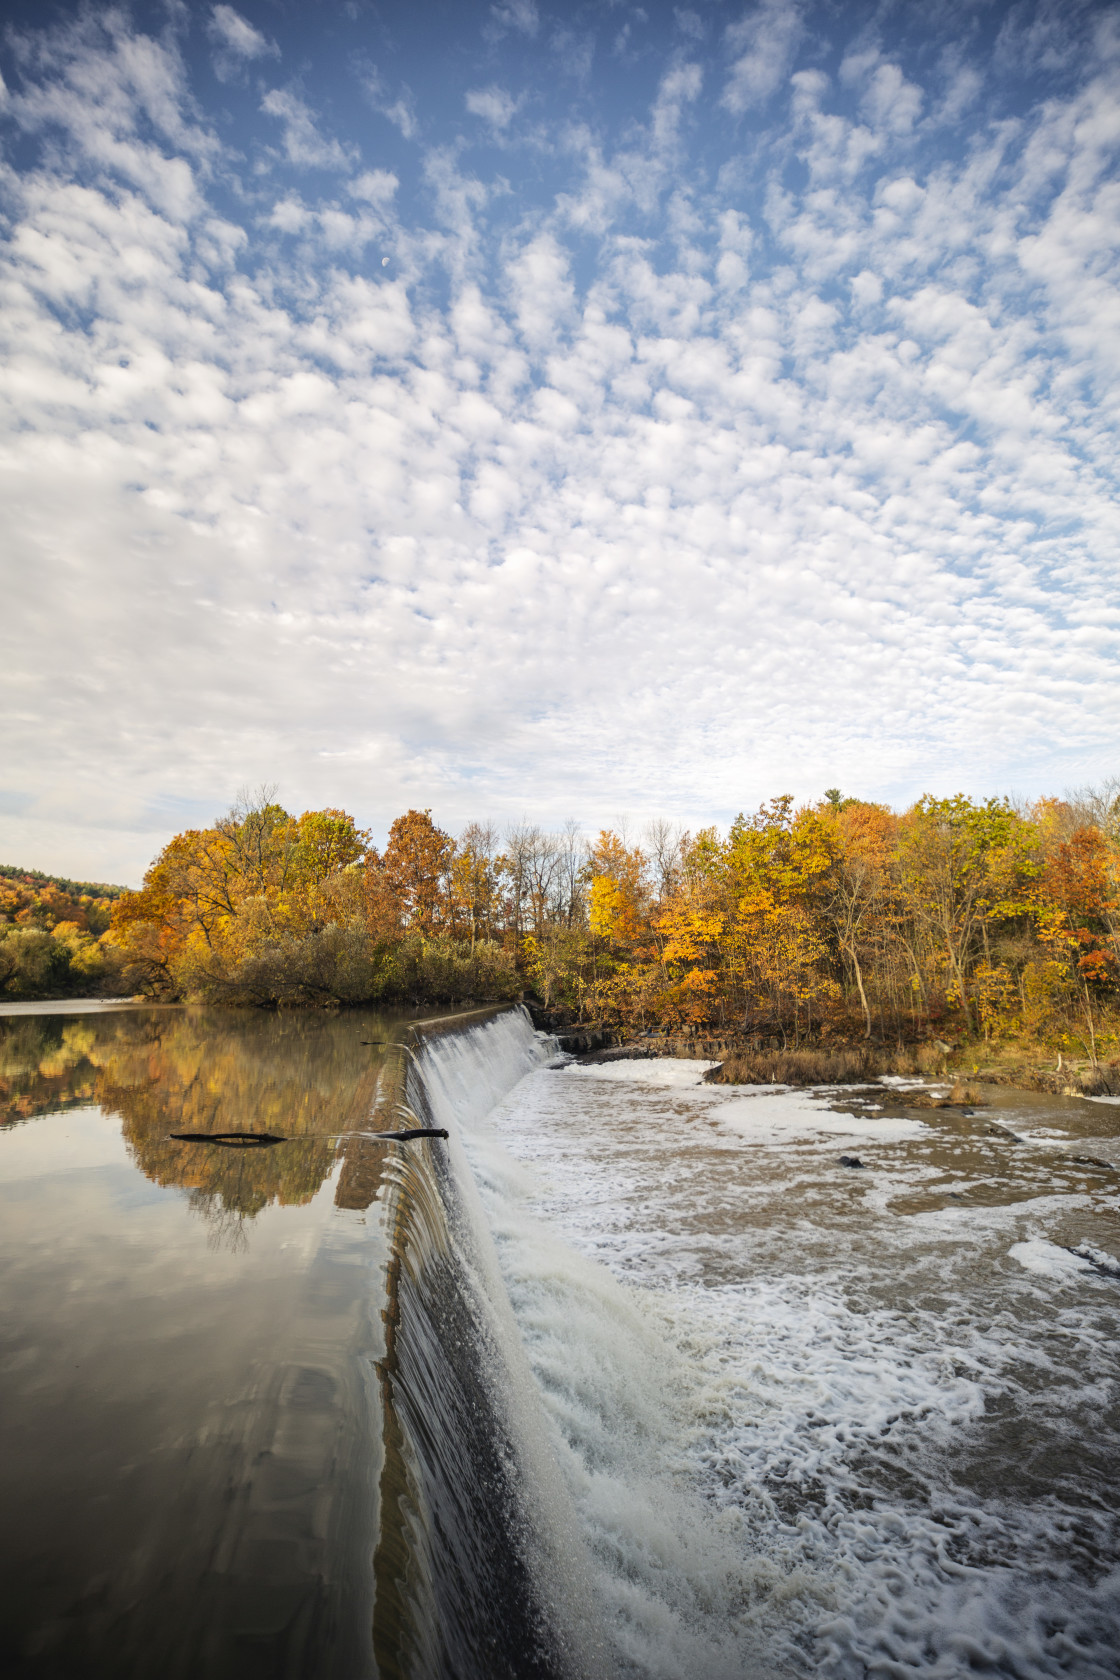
629,1376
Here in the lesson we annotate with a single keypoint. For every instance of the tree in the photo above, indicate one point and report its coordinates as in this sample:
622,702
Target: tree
1076,899
417,865
858,898
217,903
775,865
475,875
960,868
618,893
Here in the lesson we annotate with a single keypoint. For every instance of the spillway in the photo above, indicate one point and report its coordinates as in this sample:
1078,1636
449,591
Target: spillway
629,1376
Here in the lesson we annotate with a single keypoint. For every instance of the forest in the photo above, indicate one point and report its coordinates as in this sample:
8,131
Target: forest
52,935
834,922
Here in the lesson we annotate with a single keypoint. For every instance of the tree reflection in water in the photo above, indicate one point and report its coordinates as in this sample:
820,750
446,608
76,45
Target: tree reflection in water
226,1225
307,1077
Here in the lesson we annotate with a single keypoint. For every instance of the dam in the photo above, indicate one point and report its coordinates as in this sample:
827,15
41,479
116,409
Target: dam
626,1375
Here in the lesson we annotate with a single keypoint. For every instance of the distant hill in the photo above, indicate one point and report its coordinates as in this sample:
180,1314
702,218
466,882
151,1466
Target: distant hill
36,880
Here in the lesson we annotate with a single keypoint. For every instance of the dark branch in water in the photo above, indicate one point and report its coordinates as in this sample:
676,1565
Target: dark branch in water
413,1132
230,1140
264,1140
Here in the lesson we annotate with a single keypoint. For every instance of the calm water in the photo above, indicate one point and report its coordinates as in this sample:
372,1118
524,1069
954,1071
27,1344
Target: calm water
191,1427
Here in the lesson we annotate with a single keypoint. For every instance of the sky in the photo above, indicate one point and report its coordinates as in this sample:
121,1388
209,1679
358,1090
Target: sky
545,411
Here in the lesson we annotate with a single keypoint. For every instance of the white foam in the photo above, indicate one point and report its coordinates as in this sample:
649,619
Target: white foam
1048,1260
762,1389
1103,1262
662,1071
776,1116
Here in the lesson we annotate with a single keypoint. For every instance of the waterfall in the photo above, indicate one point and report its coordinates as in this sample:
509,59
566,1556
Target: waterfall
480,1571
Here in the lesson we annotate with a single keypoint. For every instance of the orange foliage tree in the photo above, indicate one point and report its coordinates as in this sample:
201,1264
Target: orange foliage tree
840,918
417,867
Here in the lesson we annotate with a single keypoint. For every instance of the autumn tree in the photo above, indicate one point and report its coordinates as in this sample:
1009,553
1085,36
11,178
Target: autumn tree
690,924
417,864
857,897
1076,908
618,891
216,900
971,916
776,865
962,867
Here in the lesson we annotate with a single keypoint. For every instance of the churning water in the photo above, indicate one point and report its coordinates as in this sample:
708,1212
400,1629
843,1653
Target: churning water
820,1419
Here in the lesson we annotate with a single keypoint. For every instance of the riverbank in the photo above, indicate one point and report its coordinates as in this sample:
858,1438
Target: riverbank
741,1063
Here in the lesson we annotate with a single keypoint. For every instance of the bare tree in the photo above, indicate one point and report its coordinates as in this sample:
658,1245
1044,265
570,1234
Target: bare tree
475,877
1098,806
572,852
665,848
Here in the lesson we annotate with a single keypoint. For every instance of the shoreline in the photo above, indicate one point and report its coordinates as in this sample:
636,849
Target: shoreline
852,1062
1074,1077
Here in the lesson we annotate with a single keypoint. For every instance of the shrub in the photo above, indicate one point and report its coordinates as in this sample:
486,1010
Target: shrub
342,963
444,970
846,1065
334,964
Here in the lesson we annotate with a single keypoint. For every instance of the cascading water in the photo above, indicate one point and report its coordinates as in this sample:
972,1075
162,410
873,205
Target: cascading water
480,1570
559,1496
683,1397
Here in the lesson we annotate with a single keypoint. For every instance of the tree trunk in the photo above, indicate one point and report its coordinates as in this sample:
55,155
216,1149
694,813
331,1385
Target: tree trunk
862,993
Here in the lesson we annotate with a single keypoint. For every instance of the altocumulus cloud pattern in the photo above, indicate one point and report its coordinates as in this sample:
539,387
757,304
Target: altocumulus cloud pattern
569,409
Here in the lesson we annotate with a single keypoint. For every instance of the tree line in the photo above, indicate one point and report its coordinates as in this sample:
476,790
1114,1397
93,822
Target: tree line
836,920
841,919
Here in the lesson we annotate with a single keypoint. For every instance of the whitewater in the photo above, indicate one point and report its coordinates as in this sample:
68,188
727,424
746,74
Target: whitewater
802,1417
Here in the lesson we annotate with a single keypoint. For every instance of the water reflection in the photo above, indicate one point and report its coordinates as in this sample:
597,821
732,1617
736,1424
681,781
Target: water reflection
308,1078
214,1373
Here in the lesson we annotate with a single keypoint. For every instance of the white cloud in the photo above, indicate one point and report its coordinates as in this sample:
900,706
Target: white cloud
640,497
963,88
378,186
867,288
493,104
236,41
304,146
541,289
764,40
109,92
887,99
519,15
690,23
398,108
679,88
